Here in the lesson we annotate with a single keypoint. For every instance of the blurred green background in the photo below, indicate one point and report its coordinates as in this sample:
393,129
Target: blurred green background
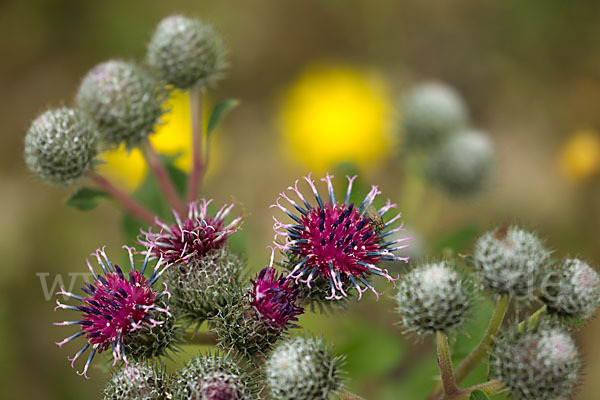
528,70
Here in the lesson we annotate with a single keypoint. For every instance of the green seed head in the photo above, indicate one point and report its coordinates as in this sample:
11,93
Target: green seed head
60,146
202,287
125,99
239,326
187,52
215,377
462,165
303,369
542,363
573,291
434,297
510,260
154,341
431,112
136,381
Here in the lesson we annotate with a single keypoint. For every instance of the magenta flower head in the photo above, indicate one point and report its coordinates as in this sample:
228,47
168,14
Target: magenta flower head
192,237
114,308
275,297
259,315
335,243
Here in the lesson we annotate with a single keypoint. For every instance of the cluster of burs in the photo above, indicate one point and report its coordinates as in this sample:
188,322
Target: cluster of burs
438,136
536,358
119,103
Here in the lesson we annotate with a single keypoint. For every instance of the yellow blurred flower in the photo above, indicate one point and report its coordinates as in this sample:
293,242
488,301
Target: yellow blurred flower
335,113
172,137
579,159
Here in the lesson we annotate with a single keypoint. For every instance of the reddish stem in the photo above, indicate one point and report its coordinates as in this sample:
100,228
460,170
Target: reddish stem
198,165
163,179
131,206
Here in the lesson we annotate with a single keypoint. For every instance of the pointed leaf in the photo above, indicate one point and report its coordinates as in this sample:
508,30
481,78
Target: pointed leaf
478,395
86,199
220,110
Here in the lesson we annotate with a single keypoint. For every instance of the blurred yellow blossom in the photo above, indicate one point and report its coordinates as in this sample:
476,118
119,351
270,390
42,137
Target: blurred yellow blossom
172,137
333,113
579,159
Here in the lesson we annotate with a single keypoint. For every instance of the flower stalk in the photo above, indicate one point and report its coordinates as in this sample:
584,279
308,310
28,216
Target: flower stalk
162,178
131,206
346,395
445,364
482,349
198,165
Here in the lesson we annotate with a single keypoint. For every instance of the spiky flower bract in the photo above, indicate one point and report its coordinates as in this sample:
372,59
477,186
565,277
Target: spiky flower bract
187,52
118,310
60,146
462,165
137,381
511,260
542,363
203,286
430,113
573,292
303,369
215,376
191,238
335,243
255,319
125,99
434,297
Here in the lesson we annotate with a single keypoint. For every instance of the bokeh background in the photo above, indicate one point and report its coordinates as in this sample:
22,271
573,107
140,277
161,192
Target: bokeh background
529,72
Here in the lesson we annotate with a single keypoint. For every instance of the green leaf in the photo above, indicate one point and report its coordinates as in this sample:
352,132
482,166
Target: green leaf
220,110
458,240
478,395
86,199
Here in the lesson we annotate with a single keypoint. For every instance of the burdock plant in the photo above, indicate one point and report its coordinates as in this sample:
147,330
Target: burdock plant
186,284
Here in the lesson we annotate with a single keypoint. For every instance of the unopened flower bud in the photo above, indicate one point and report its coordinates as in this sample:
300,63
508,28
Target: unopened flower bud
510,260
542,363
60,146
215,377
431,112
136,381
187,52
303,369
125,99
462,165
574,291
434,297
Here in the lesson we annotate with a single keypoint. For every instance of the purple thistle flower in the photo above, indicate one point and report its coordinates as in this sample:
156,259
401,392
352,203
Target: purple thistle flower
338,242
115,306
192,237
274,296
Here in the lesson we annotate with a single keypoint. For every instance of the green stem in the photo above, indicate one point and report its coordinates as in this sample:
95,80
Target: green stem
481,351
413,187
346,395
489,388
445,364
532,319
